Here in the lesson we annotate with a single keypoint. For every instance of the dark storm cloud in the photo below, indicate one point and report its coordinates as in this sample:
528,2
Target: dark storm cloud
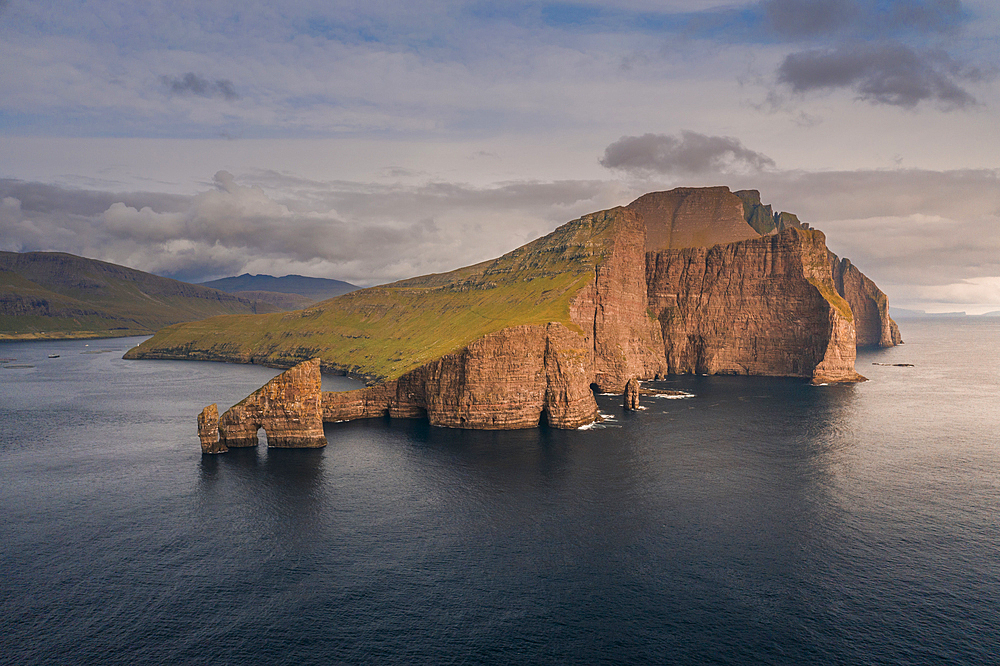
192,84
809,18
806,19
891,74
686,153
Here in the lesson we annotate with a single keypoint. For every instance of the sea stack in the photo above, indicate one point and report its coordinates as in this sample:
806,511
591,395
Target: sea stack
632,395
208,430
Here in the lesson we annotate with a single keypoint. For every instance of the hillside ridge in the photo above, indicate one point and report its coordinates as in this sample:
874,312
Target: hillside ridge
61,295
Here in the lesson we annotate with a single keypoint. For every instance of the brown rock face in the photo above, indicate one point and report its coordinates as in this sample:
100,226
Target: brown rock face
613,312
510,379
692,217
289,408
766,306
632,395
872,324
208,430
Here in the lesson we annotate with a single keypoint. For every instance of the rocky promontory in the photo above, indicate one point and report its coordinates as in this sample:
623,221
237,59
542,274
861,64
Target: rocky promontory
694,280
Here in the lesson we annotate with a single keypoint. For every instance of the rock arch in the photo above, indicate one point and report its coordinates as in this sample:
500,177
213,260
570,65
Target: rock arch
289,408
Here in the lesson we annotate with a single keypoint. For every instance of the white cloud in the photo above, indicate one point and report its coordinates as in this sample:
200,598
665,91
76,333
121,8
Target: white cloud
977,292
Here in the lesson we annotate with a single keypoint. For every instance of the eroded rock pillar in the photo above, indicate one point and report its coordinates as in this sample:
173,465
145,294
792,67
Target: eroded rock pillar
208,430
632,395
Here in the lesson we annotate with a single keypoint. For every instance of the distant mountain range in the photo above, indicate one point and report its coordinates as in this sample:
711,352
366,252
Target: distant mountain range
58,295
290,292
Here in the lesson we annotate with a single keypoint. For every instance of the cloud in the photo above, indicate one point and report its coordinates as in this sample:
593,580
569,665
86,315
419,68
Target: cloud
930,16
808,19
687,153
365,233
192,84
892,74
975,290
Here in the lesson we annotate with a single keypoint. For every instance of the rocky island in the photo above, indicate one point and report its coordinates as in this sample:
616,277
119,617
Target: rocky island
694,280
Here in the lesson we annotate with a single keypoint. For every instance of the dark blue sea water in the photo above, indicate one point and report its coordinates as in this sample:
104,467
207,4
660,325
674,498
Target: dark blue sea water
761,521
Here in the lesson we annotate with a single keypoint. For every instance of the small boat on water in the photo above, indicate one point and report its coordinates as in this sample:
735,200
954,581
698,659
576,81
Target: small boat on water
53,355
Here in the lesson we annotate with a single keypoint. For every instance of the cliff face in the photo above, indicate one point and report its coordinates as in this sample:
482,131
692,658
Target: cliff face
288,408
758,215
677,282
762,218
872,324
612,311
511,379
757,307
692,217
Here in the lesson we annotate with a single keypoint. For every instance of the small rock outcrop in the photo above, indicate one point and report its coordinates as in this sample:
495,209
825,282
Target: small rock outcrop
289,408
208,430
632,395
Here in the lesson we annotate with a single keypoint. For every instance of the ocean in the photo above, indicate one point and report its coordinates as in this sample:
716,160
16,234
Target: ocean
759,521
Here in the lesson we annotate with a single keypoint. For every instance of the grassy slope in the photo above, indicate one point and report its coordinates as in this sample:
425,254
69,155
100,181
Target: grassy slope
385,331
68,296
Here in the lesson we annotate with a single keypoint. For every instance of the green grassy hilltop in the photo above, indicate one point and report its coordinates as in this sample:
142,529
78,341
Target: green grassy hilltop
383,332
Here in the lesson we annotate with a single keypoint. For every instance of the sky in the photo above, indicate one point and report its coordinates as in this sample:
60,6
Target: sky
374,141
